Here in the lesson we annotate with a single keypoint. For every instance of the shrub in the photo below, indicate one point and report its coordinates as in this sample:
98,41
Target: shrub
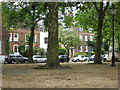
80,53
62,51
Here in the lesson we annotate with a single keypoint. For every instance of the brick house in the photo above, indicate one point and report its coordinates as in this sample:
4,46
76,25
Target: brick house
84,37
19,37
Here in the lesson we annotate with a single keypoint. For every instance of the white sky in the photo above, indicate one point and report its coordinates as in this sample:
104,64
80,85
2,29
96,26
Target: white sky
1,0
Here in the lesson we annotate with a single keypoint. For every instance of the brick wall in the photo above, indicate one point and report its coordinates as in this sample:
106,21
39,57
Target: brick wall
21,37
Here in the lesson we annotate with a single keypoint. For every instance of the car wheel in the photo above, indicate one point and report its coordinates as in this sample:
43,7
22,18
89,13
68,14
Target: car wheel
77,60
45,61
25,61
5,62
73,60
35,61
12,62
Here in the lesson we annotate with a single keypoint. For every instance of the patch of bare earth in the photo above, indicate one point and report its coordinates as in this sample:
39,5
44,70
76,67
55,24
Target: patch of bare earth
76,75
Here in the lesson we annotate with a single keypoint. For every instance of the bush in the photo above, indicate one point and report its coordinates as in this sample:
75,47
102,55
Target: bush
40,51
24,51
90,53
79,53
62,51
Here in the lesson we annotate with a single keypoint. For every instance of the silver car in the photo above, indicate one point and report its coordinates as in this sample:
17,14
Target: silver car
39,58
15,58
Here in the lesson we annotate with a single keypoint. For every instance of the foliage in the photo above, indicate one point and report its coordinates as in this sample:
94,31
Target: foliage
24,13
80,53
92,44
90,53
69,38
85,16
62,51
21,49
40,51
24,51
7,46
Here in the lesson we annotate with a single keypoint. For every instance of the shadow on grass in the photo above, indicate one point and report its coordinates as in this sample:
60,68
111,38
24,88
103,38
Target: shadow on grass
97,64
44,67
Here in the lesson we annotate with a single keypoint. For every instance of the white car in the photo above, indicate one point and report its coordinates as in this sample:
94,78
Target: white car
79,58
106,58
39,58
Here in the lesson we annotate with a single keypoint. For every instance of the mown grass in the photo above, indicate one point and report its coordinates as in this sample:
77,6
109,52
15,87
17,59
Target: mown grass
71,75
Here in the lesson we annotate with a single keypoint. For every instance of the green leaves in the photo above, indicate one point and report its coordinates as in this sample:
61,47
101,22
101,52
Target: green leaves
69,38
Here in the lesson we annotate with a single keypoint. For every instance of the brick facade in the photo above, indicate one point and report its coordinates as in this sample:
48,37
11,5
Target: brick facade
22,38
84,37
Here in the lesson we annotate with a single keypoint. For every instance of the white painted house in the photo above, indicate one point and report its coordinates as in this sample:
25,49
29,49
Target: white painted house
44,40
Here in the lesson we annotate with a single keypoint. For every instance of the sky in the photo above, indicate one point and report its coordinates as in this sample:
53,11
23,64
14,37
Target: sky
1,0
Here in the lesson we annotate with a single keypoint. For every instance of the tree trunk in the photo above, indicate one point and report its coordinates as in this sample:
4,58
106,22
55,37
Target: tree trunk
52,52
68,53
31,40
98,59
101,14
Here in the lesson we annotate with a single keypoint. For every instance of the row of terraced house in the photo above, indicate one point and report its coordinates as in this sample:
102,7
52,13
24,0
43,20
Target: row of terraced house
19,37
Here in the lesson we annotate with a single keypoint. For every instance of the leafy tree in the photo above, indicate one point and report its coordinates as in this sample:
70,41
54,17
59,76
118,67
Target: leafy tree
92,44
117,25
62,51
40,51
7,46
94,13
29,13
69,38
21,49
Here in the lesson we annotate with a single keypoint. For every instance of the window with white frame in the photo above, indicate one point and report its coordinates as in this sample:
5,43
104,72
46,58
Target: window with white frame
91,38
10,36
81,49
0,48
15,48
81,37
86,48
15,36
86,38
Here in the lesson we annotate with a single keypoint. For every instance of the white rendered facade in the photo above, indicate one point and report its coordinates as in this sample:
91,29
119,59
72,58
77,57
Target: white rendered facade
43,38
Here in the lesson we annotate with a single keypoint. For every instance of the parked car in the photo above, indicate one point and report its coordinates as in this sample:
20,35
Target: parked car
91,58
39,59
79,58
106,58
15,58
63,58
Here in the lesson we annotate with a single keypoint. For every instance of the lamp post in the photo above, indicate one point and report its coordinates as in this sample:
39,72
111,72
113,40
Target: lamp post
113,11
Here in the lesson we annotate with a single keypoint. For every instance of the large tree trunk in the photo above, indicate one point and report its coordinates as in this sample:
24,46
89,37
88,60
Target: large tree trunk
101,14
98,58
31,40
52,52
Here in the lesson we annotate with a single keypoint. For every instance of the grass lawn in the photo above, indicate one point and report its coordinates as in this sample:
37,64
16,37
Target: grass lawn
75,75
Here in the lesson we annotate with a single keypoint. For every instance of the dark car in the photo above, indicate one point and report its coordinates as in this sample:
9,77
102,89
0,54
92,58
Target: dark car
63,58
15,58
